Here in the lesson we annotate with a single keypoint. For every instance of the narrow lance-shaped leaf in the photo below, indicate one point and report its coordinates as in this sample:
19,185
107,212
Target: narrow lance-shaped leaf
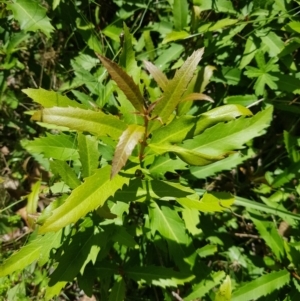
96,123
88,196
127,142
176,87
197,96
261,286
89,154
157,74
50,99
124,82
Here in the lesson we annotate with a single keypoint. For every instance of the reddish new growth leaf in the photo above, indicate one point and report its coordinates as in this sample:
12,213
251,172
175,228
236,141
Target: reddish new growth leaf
157,74
127,142
124,82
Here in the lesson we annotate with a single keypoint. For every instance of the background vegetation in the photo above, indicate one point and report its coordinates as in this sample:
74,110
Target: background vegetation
249,251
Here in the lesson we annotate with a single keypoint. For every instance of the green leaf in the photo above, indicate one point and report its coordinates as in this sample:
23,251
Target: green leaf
122,237
210,202
170,226
174,36
124,82
202,172
191,220
88,153
219,114
207,250
224,292
261,286
176,87
31,16
118,290
158,76
267,209
160,276
66,173
223,138
291,146
127,142
174,132
189,156
127,57
77,119
88,196
60,147
293,26
74,258
220,24
37,249
205,285
197,96
249,52
165,163
273,42
50,99
180,13
244,100
269,233
168,55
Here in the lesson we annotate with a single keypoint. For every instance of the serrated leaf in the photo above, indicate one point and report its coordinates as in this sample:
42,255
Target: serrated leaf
60,147
210,202
168,223
66,173
118,290
202,172
37,249
127,142
87,197
207,250
205,285
88,153
124,82
269,233
157,74
223,138
191,220
267,209
175,131
261,286
189,156
74,257
176,87
165,163
31,16
77,119
160,276
50,99
180,13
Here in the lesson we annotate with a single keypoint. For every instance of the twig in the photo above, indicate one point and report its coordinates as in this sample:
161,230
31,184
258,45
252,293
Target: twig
175,295
247,235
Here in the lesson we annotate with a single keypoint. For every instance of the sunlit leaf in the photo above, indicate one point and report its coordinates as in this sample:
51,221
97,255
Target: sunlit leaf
91,194
127,142
261,286
77,119
158,76
50,99
224,292
88,153
176,87
210,202
180,13
31,16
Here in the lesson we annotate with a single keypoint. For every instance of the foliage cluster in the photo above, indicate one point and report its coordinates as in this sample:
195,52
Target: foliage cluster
167,149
